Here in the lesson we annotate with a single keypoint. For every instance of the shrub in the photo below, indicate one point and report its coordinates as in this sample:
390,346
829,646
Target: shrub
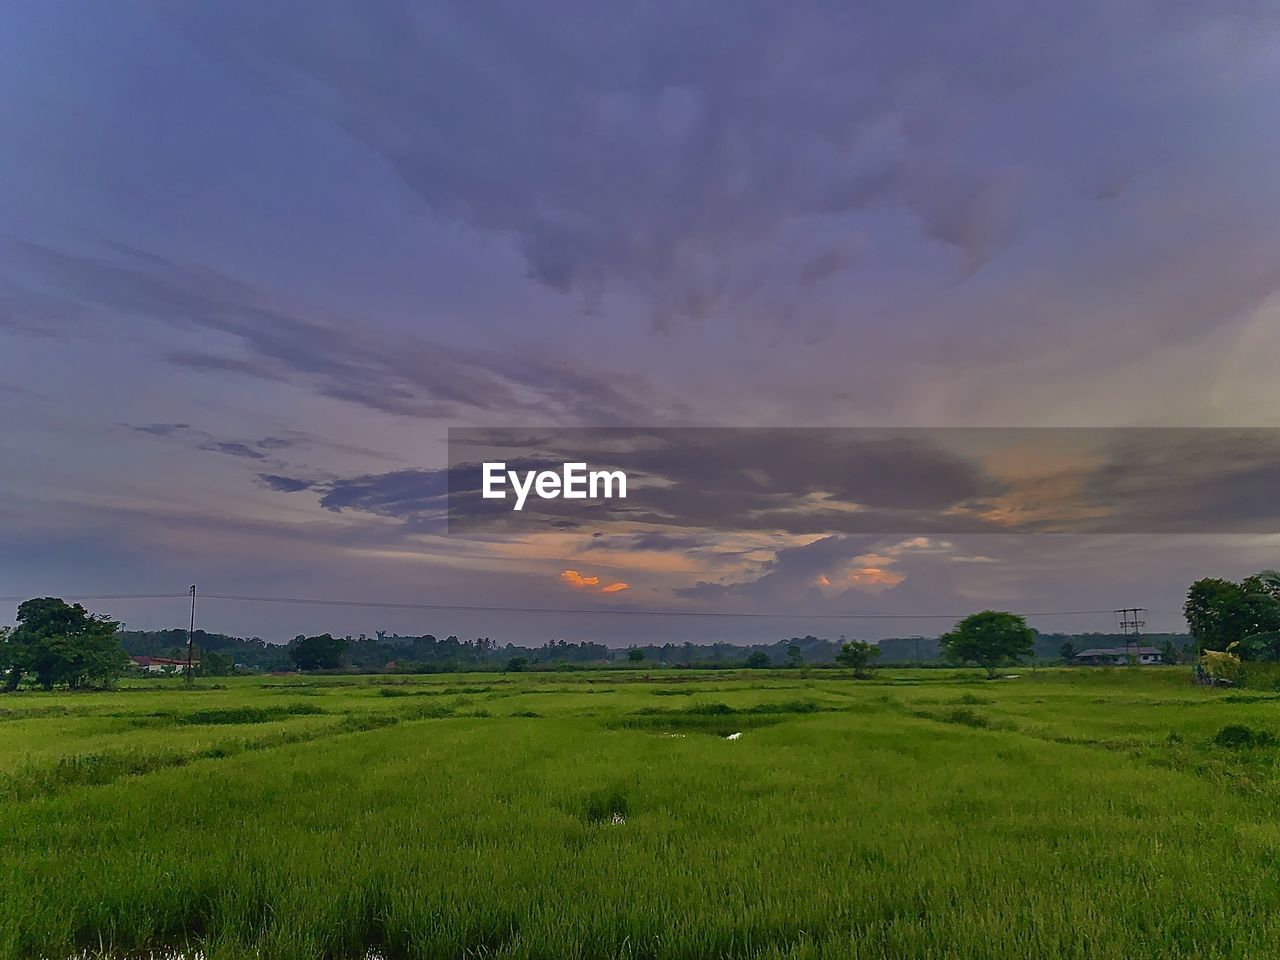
961,715
1237,736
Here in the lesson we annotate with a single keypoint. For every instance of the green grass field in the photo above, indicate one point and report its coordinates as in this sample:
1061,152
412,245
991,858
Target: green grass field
1058,813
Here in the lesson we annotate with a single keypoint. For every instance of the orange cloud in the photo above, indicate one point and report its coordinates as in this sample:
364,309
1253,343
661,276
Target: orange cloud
874,576
865,571
576,580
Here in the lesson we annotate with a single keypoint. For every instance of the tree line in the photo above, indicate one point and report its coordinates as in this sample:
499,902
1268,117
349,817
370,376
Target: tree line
59,644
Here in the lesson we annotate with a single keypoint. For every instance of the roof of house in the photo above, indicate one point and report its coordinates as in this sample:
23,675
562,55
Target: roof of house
1119,652
161,661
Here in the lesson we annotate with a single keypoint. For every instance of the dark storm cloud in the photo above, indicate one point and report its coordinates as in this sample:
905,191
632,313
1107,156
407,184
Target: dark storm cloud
404,494
655,541
702,158
340,359
1185,480
234,449
816,481
799,481
715,479
689,486
160,429
199,439
284,484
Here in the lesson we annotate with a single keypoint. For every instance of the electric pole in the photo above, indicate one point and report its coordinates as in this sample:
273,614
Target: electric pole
1131,624
191,637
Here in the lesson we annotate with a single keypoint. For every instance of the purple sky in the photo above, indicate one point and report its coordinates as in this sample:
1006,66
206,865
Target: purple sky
301,240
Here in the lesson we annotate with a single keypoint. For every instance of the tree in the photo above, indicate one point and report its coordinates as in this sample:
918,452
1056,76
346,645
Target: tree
1220,612
858,656
1207,600
795,656
990,639
62,643
9,658
758,661
1067,651
635,655
317,653
517,664
1270,579
214,664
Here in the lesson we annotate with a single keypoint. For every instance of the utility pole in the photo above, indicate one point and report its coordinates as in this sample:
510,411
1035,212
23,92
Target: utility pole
191,637
1131,624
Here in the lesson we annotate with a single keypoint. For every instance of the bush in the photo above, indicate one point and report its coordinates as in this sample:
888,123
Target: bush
1260,675
1237,736
962,715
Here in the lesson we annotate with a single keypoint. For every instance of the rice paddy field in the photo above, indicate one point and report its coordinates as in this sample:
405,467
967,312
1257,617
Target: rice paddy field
1057,813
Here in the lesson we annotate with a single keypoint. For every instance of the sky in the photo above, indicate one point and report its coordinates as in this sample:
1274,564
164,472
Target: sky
254,256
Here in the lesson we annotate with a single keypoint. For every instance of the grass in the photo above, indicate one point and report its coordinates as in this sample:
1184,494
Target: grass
1065,813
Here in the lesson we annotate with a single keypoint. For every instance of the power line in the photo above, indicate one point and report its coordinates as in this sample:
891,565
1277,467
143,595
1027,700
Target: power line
107,596
586,611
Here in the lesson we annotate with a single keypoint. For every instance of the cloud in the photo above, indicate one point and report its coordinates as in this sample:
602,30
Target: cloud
161,429
880,481
199,439
234,449
406,494
591,584
654,540
334,357
799,481
215,363
794,572
629,156
575,579
689,487
284,484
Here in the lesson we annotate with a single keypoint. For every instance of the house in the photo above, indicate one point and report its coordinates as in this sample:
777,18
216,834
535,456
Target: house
162,664
1119,656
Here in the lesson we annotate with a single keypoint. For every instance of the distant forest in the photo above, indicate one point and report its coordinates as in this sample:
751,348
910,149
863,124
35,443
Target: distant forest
429,654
